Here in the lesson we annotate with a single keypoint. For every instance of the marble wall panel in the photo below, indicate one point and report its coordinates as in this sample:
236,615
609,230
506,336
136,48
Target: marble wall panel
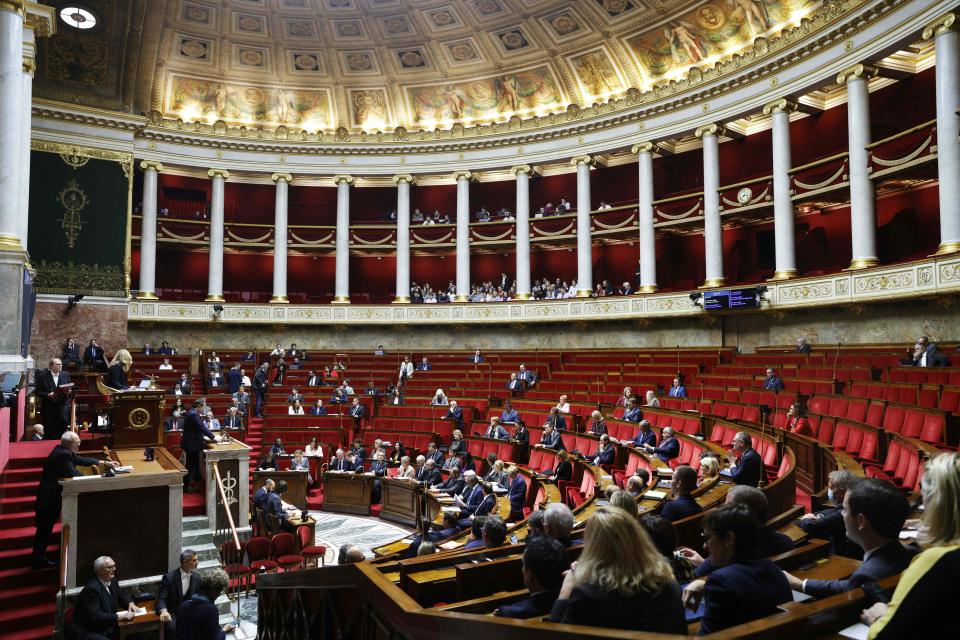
54,324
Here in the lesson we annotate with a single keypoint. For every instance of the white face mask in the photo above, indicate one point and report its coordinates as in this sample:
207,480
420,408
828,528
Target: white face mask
830,495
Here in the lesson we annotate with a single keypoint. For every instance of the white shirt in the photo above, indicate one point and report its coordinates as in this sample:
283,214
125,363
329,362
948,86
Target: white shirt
310,451
564,408
245,381
56,376
184,582
291,410
166,367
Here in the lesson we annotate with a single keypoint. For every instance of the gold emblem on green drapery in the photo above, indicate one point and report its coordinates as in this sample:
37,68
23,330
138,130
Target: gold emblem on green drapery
74,200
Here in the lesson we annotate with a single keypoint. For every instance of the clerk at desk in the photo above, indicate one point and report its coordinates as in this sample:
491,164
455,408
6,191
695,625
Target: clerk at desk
119,367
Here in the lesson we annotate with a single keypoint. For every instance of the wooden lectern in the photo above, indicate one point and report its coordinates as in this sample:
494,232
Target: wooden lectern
137,416
347,492
400,500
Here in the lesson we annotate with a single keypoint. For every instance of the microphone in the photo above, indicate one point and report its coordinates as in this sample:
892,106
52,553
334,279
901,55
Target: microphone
835,358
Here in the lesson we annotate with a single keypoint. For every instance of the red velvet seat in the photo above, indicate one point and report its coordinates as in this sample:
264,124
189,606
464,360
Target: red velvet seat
258,553
283,548
310,551
232,561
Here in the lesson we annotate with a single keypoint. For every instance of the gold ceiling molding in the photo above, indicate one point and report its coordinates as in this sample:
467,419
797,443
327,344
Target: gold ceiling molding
75,151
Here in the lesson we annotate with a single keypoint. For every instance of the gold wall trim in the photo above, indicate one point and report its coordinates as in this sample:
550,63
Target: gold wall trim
83,152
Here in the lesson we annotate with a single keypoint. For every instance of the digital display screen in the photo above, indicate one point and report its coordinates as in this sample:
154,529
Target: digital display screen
731,299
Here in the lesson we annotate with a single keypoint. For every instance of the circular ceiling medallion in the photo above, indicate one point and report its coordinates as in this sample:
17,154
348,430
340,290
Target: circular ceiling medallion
78,17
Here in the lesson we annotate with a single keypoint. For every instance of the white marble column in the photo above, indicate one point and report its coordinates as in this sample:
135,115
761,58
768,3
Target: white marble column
11,121
648,237
403,237
863,215
783,212
26,126
712,227
522,172
148,231
283,181
215,278
948,128
584,236
341,293
463,235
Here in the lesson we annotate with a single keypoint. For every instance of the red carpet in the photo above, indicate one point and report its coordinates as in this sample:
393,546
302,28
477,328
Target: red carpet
194,504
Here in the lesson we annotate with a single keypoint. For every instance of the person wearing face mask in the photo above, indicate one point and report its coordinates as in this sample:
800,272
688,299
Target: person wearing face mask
746,467
827,524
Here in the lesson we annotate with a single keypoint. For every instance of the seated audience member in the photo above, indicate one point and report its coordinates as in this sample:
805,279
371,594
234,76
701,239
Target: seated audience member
515,385
551,439
71,354
295,409
669,447
620,580
773,382
455,415
682,504
457,443
605,452
564,470
665,539
645,436
233,420
313,380
623,500
636,486
350,554
496,472
874,512
261,495
101,603
746,467
632,413
558,523
652,400
268,463
176,587
709,469
521,435
598,426
427,549
275,503
214,379
678,390
922,604
429,475
427,534
434,454
624,397
424,365
494,532
313,449
495,430
828,524
476,534
295,396
166,366
802,345
744,586
563,406
406,471
318,409
797,421
439,399
926,354
544,561
277,448
509,415
555,420
199,617
453,484
341,463
529,377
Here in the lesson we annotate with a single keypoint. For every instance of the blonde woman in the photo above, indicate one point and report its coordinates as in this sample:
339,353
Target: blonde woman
652,400
924,597
439,399
117,372
626,395
620,581
709,469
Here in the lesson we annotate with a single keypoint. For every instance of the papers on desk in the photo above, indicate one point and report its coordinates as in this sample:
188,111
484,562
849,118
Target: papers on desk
452,544
857,631
86,477
665,471
909,535
450,509
726,473
655,495
126,469
665,484
799,596
141,611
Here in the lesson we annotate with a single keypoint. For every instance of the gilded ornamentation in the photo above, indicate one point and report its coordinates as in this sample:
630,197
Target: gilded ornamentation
74,160
139,419
69,278
883,282
805,291
74,200
950,272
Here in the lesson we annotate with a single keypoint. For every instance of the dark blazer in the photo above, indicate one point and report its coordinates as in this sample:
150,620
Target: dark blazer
511,416
486,506
199,619
117,377
888,560
169,597
358,412
522,435
44,385
436,456
668,449
537,605
379,468
61,463
452,486
235,422
771,543
749,470
745,590
650,438
341,464
476,359
518,494
424,367
428,478
564,471
552,441
472,497
829,526
234,379
318,411
498,433
96,608
773,384
456,416
633,415
804,349
275,506
591,605
93,356
260,499
557,421
598,428
193,432
680,508
605,456
260,379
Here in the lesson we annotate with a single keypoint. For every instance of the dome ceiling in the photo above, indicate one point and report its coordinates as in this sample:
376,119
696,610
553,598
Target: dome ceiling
378,64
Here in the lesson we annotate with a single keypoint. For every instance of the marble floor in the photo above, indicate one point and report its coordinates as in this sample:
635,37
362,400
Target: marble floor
332,530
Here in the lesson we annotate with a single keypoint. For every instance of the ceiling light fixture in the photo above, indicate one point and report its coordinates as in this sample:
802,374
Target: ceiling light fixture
78,17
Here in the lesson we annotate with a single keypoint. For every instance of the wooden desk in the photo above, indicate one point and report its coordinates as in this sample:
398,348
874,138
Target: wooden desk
147,623
833,568
296,493
347,492
400,501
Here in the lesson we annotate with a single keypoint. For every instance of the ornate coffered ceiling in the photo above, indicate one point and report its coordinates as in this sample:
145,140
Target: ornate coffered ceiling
378,64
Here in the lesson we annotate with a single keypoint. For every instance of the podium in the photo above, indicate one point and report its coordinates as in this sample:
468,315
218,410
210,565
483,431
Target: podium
233,461
400,500
135,518
347,492
137,416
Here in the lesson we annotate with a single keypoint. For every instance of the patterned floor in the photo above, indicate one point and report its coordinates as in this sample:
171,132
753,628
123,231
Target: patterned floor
333,530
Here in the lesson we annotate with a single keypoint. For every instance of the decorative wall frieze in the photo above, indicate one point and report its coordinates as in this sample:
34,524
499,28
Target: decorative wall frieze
932,276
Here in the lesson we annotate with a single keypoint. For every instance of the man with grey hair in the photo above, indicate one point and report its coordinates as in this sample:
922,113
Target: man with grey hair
350,554
101,603
827,524
746,467
61,463
669,447
176,587
199,617
36,432
558,522
340,462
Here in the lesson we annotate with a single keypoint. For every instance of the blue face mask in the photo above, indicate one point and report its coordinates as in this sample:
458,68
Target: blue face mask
830,495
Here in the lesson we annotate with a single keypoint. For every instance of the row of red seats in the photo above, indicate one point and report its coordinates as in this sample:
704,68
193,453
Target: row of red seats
923,375
903,465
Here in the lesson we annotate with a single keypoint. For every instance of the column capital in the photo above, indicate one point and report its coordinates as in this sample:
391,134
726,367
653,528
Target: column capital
576,160
29,65
712,129
946,22
337,179
285,177
786,104
642,147
218,173
40,18
860,71
525,169
466,175
404,177
150,164
17,6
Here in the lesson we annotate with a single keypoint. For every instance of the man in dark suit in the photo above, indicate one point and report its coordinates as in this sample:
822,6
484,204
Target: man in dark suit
262,495
234,378
434,454
233,419
199,617
551,438
358,412
260,387
165,349
605,453
495,431
313,380
517,494
669,447
429,475
773,381
340,462
476,358
433,535
515,385
101,604
544,561
828,524
802,345
926,354
275,503
529,377
746,467
176,587
93,357
192,443
454,414
471,496
452,485
61,463
424,365
645,436
54,405
874,513
71,353
683,504
556,420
